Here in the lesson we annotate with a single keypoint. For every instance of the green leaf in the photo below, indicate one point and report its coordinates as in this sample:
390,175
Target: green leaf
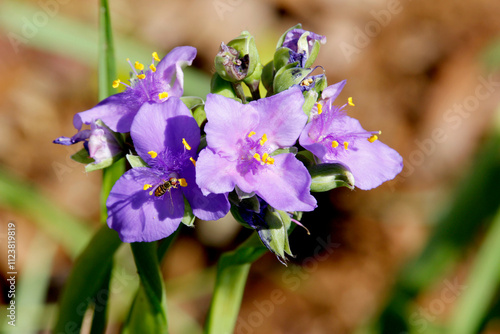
200,115
82,157
87,276
326,177
104,164
136,161
232,272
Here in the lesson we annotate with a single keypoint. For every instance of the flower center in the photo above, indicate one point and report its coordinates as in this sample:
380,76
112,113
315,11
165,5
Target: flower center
254,153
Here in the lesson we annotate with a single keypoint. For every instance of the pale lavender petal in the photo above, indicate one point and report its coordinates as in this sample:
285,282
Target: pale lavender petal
229,122
170,68
210,207
215,174
331,92
307,141
160,125
281,117
284,185
138,216
116,111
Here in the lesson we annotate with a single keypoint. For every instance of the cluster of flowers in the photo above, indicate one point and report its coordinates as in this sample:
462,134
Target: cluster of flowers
193,158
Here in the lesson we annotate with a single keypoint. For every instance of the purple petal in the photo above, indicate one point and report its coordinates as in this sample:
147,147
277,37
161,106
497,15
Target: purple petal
284,185
116,111
331,92
171,65
229,122
215,174
372,164
164,125
138,216
80,136
211,207
281,117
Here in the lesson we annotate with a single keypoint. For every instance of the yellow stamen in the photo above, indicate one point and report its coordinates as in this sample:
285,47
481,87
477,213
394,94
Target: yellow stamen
349,100
139,66
153,154
193,161
251,134
265,156
146,186
182,182
141,76
163,95
372,138
116,83
270,161
335,144
306,82
186,145
155,56
257,156
152,67
320,108
263,139
346,145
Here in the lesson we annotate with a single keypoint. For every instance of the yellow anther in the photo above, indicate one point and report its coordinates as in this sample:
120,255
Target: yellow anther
193,161
263,139
349,100
151,192
270,161
116,83
155,56
153,154
128,59
163,95
141,76
146,186
257,156
335,144
139,66
152,67
372,138
251,134
306,82
183,182
186,145
320,108
346,145
265,156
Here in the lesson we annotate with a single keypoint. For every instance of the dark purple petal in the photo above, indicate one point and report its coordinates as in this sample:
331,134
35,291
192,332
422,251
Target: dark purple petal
215,174
228,122
138,216
116,111
171,65
293,36
284,185
331,92
281,117
80,136
211,207
164,125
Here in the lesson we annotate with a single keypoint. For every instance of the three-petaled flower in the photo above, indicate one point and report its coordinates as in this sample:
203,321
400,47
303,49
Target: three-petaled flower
147,203
334,137
154,84
241,140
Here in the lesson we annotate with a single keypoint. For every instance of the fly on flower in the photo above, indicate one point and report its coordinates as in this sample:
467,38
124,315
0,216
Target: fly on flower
147,203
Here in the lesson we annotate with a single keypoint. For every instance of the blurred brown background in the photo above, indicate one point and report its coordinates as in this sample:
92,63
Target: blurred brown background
416,71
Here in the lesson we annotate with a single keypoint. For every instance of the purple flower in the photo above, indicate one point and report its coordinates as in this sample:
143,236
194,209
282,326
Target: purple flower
301,43
155,84
241,139
147,203
99,142
334,137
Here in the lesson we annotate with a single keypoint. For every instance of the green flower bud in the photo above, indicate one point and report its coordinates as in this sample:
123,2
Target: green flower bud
330,176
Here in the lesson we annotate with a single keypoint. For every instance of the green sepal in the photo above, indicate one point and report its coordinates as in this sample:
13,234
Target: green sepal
136,161
192,102
203,143
329,176
275,236
245,45
103,164
282,38
82,157
267,77
281,58
291,149
310,98
222,87
199,114
306,157
314,53
288,76
188,218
